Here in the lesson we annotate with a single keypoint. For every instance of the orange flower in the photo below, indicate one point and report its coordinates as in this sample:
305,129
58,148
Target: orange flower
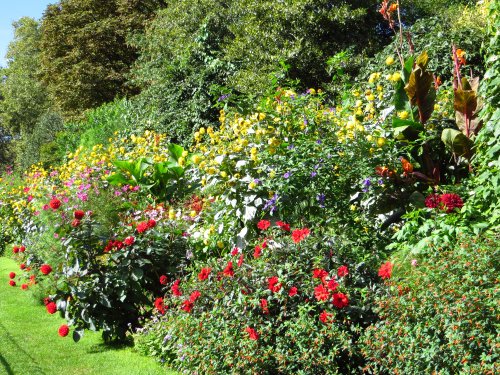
407,166
461,56
393,7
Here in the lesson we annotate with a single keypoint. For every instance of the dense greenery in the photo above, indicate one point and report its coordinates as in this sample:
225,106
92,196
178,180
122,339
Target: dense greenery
295,188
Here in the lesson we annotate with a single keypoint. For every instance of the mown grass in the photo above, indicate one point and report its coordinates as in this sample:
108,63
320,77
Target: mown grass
30,344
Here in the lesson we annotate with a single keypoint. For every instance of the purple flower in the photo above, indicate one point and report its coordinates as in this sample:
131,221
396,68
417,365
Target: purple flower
287,175
366,184
313,174
319,141
291,147
321,200
271,204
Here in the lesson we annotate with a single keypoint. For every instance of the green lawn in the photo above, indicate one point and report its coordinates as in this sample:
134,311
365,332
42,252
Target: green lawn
30,345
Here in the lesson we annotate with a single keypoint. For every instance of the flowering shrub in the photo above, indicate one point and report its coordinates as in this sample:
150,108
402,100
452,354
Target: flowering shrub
291,307
440,314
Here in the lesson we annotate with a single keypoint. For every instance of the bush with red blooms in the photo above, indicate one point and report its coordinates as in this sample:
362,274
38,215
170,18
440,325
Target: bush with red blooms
440,315
446,202
296,308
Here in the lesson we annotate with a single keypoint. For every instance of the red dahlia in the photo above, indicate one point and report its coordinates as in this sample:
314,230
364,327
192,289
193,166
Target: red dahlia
187,306
159,305
151,224
263,224
321,293
22,266
293,291
24,286
332,284
263,305
51,307
63,330
258,252
432,201
340,300
12,275
45,269
385,270
204,273
342,271
229,271
273,284
300,234
450,201
163,280
129,240
22,249
12,283
142,227
175,288
284,226
252,333
325,317
79,214
15,249
55,203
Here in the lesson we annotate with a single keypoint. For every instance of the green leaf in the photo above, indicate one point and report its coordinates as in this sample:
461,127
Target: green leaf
119,179
137,274
175,150
408,67
400,97
457,142
406,129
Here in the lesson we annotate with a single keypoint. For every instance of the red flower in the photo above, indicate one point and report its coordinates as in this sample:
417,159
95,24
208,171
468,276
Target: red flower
235,251
258,252
229,271
300,234
46,301
22,249
240,261
75,223
45,269
332,284
22,266
12,275
432,201
284,226
24,286
319,273
450,201
263,224
187,306
78,214
273,284
15,249
129,241
385,270
342,271
325,317
340,300
151,224
55,203
142,227
63,330
51,307
163,280
194,296
263,304
321,293
159,305
293,291
203,275
175,288
252,333
12,283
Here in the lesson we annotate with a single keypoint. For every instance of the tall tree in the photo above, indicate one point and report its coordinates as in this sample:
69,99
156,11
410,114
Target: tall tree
23,96
85,54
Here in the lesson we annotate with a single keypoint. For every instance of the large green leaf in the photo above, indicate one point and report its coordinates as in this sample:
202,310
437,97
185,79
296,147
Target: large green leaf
118,179
458,142
175,150
406,129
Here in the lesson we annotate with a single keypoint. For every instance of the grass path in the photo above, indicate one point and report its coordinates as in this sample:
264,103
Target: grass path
30,345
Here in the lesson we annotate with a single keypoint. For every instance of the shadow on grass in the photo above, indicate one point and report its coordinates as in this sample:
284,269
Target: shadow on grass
19,348
112,345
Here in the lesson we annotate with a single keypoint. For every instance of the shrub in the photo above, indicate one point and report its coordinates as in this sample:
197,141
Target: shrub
289,304
439,314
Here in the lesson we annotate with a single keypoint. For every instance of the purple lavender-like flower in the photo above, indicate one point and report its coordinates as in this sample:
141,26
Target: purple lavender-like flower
287,175
271,204
321,200
366,184
313,174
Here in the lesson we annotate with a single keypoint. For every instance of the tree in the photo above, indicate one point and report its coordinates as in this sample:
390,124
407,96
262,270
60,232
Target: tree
23,96
85,54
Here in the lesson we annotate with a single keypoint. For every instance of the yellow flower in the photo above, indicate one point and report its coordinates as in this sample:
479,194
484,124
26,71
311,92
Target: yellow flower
395,77
389,60
220,244
380,141
403,115
252,185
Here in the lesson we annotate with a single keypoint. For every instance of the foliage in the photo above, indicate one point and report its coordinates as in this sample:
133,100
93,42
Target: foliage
24,98
84,50
291,306
440,314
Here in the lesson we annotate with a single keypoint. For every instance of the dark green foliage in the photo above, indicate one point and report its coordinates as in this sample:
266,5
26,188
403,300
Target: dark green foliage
85,54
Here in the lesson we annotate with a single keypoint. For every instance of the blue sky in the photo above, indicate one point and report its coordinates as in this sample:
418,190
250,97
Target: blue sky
12,10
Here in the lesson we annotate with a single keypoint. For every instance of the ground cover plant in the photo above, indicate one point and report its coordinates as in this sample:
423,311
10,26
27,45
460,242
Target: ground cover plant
295,233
